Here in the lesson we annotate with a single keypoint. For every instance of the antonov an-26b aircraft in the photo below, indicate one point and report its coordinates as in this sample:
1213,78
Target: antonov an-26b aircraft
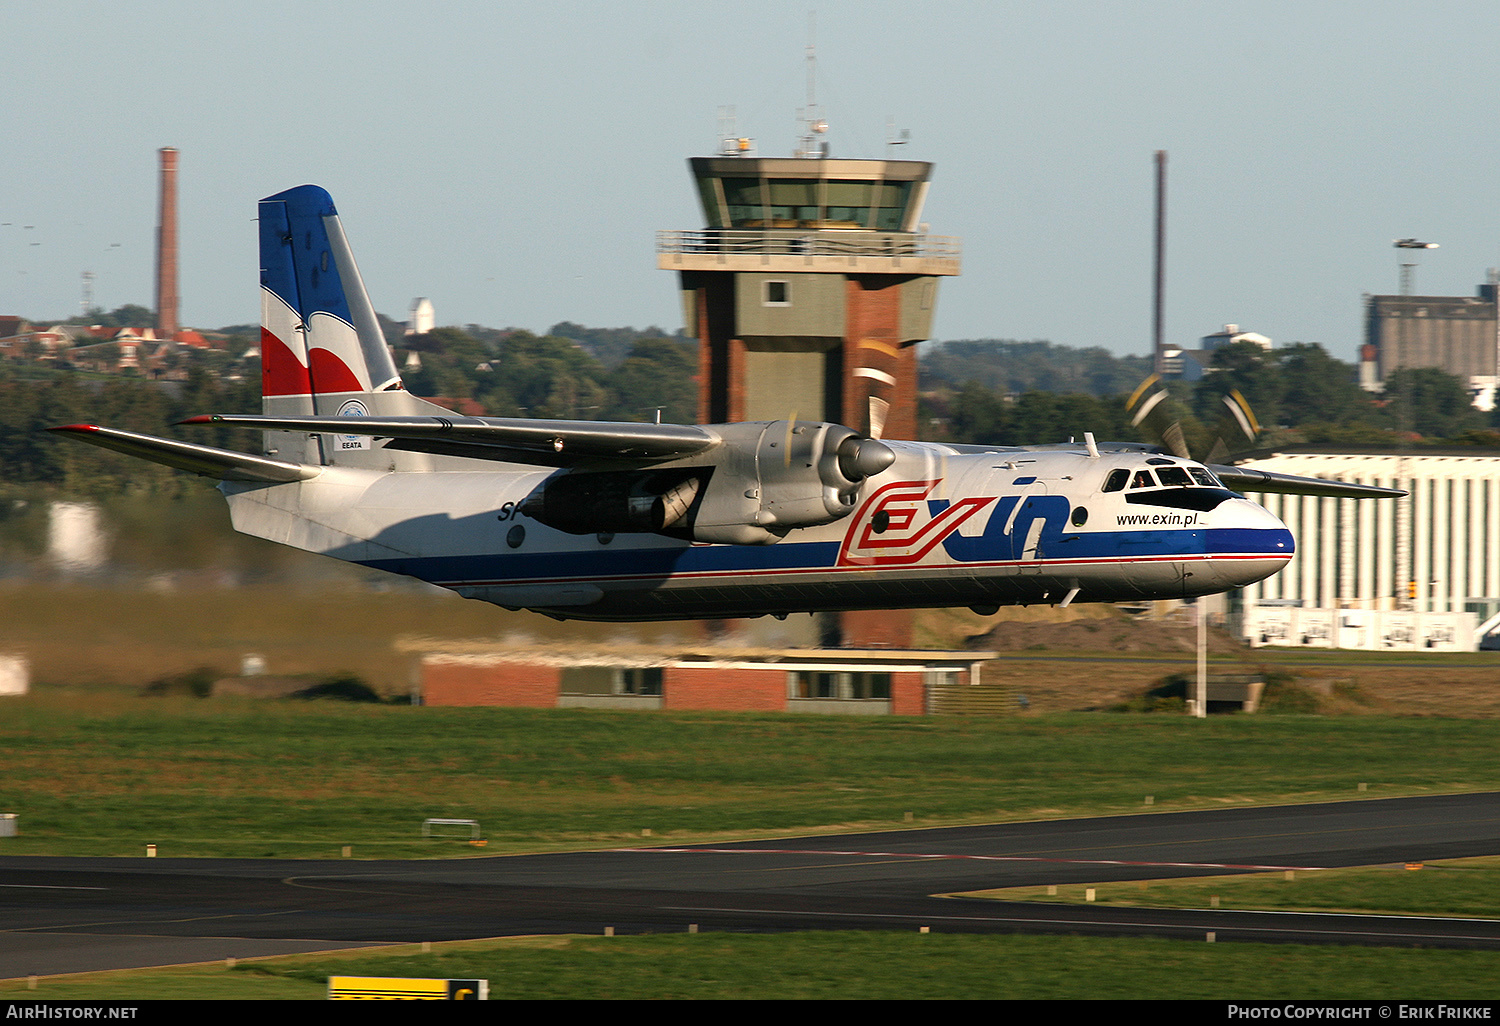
607,521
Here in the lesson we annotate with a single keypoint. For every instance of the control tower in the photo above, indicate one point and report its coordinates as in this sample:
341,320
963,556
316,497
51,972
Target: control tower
809,287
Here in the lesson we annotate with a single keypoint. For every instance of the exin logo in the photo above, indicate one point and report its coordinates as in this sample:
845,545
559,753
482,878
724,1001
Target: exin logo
894,528
353,408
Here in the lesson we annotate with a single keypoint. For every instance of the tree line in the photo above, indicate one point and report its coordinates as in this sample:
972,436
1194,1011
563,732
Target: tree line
988,392
1299,394
514,373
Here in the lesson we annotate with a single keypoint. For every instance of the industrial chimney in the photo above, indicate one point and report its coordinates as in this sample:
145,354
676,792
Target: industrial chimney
166,248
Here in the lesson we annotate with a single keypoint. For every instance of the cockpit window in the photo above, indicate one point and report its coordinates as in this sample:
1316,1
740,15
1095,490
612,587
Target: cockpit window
1143,479
1116,480
1203,477
1174,477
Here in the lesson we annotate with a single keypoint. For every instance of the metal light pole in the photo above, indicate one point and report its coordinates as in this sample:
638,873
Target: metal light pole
1404,579
1202,704
1158,359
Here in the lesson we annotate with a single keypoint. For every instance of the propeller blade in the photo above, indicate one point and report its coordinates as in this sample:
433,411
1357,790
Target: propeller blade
1151,407
1239,409
1146,407
1173,439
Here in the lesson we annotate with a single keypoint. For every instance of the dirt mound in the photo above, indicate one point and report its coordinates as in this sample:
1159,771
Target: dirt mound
1113,634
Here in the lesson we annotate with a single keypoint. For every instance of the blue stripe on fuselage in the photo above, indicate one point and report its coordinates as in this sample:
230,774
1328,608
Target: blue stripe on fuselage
615,562
661,563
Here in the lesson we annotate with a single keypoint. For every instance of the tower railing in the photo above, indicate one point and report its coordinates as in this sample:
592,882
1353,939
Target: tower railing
825,243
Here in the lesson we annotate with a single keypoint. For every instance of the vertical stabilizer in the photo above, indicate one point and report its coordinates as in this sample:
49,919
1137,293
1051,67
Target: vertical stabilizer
322,350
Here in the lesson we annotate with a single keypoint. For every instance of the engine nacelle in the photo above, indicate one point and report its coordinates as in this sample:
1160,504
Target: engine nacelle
810,473
618,502
762,481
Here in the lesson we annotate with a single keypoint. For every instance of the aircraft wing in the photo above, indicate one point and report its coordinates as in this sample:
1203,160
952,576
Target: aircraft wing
511,440
1243,479
223,464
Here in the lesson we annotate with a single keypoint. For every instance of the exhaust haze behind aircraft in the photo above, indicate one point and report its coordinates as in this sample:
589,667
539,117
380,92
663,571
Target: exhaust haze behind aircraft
624,521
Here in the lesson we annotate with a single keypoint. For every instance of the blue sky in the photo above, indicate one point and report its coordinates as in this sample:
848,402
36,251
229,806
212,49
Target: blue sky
512,161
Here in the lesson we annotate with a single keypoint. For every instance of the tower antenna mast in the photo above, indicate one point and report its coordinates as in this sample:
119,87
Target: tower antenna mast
813,124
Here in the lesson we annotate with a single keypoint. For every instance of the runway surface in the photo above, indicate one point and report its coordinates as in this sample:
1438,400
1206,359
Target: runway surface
61,915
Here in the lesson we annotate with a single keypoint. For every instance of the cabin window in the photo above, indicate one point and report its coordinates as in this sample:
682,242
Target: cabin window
778,293
1116,480
1143,479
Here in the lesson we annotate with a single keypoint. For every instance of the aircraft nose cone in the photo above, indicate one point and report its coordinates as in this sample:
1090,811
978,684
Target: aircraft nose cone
1247,542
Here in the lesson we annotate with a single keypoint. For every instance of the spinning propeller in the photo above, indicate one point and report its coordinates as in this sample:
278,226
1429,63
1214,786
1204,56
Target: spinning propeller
1236,431
1151,405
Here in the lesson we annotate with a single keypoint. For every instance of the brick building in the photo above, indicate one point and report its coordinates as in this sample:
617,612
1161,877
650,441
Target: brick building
848,681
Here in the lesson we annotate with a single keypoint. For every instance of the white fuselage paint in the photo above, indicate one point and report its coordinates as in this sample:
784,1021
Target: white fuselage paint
937,528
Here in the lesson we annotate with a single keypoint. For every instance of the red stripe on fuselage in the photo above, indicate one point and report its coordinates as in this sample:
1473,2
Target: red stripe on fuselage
1053,567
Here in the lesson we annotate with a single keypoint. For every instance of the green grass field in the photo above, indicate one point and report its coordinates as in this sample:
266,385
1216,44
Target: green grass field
102,771
887,966
1454,887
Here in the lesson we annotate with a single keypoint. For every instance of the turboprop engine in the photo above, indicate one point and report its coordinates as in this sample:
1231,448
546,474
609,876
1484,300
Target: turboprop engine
758,483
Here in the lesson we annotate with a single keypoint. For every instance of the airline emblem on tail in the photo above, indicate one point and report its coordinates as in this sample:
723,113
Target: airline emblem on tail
353,408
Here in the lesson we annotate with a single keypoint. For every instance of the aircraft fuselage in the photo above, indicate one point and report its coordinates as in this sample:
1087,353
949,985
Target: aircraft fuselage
938,527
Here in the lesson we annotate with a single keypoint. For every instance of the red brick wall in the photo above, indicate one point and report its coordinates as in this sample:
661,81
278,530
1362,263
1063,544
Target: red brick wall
454,683
683,687
687,687
873,317
876,628
707,360
908,694
735,354
720,383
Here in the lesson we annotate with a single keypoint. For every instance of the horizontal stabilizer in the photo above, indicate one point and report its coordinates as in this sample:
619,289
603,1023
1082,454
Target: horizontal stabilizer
1243,479
222,464
529,441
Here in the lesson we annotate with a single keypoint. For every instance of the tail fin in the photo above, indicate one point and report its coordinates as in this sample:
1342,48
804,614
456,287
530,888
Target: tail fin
322,350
